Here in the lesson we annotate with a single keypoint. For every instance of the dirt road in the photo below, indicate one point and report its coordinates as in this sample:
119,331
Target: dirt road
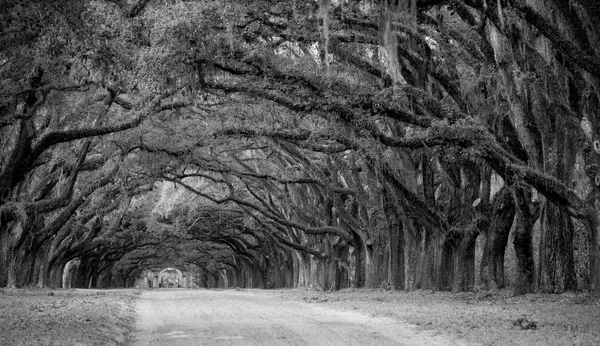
207,317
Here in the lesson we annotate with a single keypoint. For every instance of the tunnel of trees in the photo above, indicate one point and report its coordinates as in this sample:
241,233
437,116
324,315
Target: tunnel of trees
413,144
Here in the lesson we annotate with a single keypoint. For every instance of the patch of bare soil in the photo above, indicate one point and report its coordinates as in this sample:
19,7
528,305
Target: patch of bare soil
481,318
66,317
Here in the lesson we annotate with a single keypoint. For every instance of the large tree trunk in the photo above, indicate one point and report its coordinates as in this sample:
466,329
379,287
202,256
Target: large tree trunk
92,275
4,236
328,264
421,257
445,276
382,262
257,276
556,271
370,266
524,252
54,276
42,277
359,261
395,273
27,264
14,236
238,280
318,280
496,239
342,265
464,279
332,272
591,110
522,242
429,255
411,258
304,269
428,241
289,270
556,264
11,269
593,225
396,257
296,269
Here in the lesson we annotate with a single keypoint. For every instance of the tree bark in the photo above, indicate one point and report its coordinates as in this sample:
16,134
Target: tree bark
556,271
296,269
464,280
370,266
522,242
14,236
593,225
446,270
429,256
496,240
396,242
359,261
343,280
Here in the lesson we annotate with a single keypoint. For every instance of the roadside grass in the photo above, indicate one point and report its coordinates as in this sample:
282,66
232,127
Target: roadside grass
66,317
107,317
486,318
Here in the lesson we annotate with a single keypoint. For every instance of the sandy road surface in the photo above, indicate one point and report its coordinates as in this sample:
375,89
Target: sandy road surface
207,317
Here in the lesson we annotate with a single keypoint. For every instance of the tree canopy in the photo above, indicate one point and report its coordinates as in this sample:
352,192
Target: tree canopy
301,143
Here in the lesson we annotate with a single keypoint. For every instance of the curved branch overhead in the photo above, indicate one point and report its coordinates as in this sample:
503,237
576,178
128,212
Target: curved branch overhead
245,139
